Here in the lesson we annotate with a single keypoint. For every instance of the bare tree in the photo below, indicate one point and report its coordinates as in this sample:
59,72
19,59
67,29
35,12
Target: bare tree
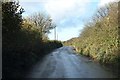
43,22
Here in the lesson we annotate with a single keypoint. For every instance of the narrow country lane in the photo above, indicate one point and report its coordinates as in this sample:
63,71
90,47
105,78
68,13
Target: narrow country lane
64,63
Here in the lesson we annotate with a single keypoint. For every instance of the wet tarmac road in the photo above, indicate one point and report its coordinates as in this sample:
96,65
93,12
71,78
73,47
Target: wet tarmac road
64,63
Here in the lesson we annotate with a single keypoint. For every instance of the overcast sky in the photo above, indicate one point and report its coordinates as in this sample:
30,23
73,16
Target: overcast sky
69,15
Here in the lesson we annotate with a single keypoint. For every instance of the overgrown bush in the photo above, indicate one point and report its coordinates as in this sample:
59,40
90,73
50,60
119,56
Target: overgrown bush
100,39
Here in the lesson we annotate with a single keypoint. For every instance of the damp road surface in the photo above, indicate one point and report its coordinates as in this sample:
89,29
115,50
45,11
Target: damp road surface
65,63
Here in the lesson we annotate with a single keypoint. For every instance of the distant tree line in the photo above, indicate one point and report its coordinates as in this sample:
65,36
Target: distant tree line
100,39
24,40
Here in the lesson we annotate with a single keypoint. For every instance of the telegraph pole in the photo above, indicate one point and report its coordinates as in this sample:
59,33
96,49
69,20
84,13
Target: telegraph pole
55,33
57,36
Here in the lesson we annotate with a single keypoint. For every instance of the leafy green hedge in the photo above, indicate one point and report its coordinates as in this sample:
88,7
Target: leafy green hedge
22,44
